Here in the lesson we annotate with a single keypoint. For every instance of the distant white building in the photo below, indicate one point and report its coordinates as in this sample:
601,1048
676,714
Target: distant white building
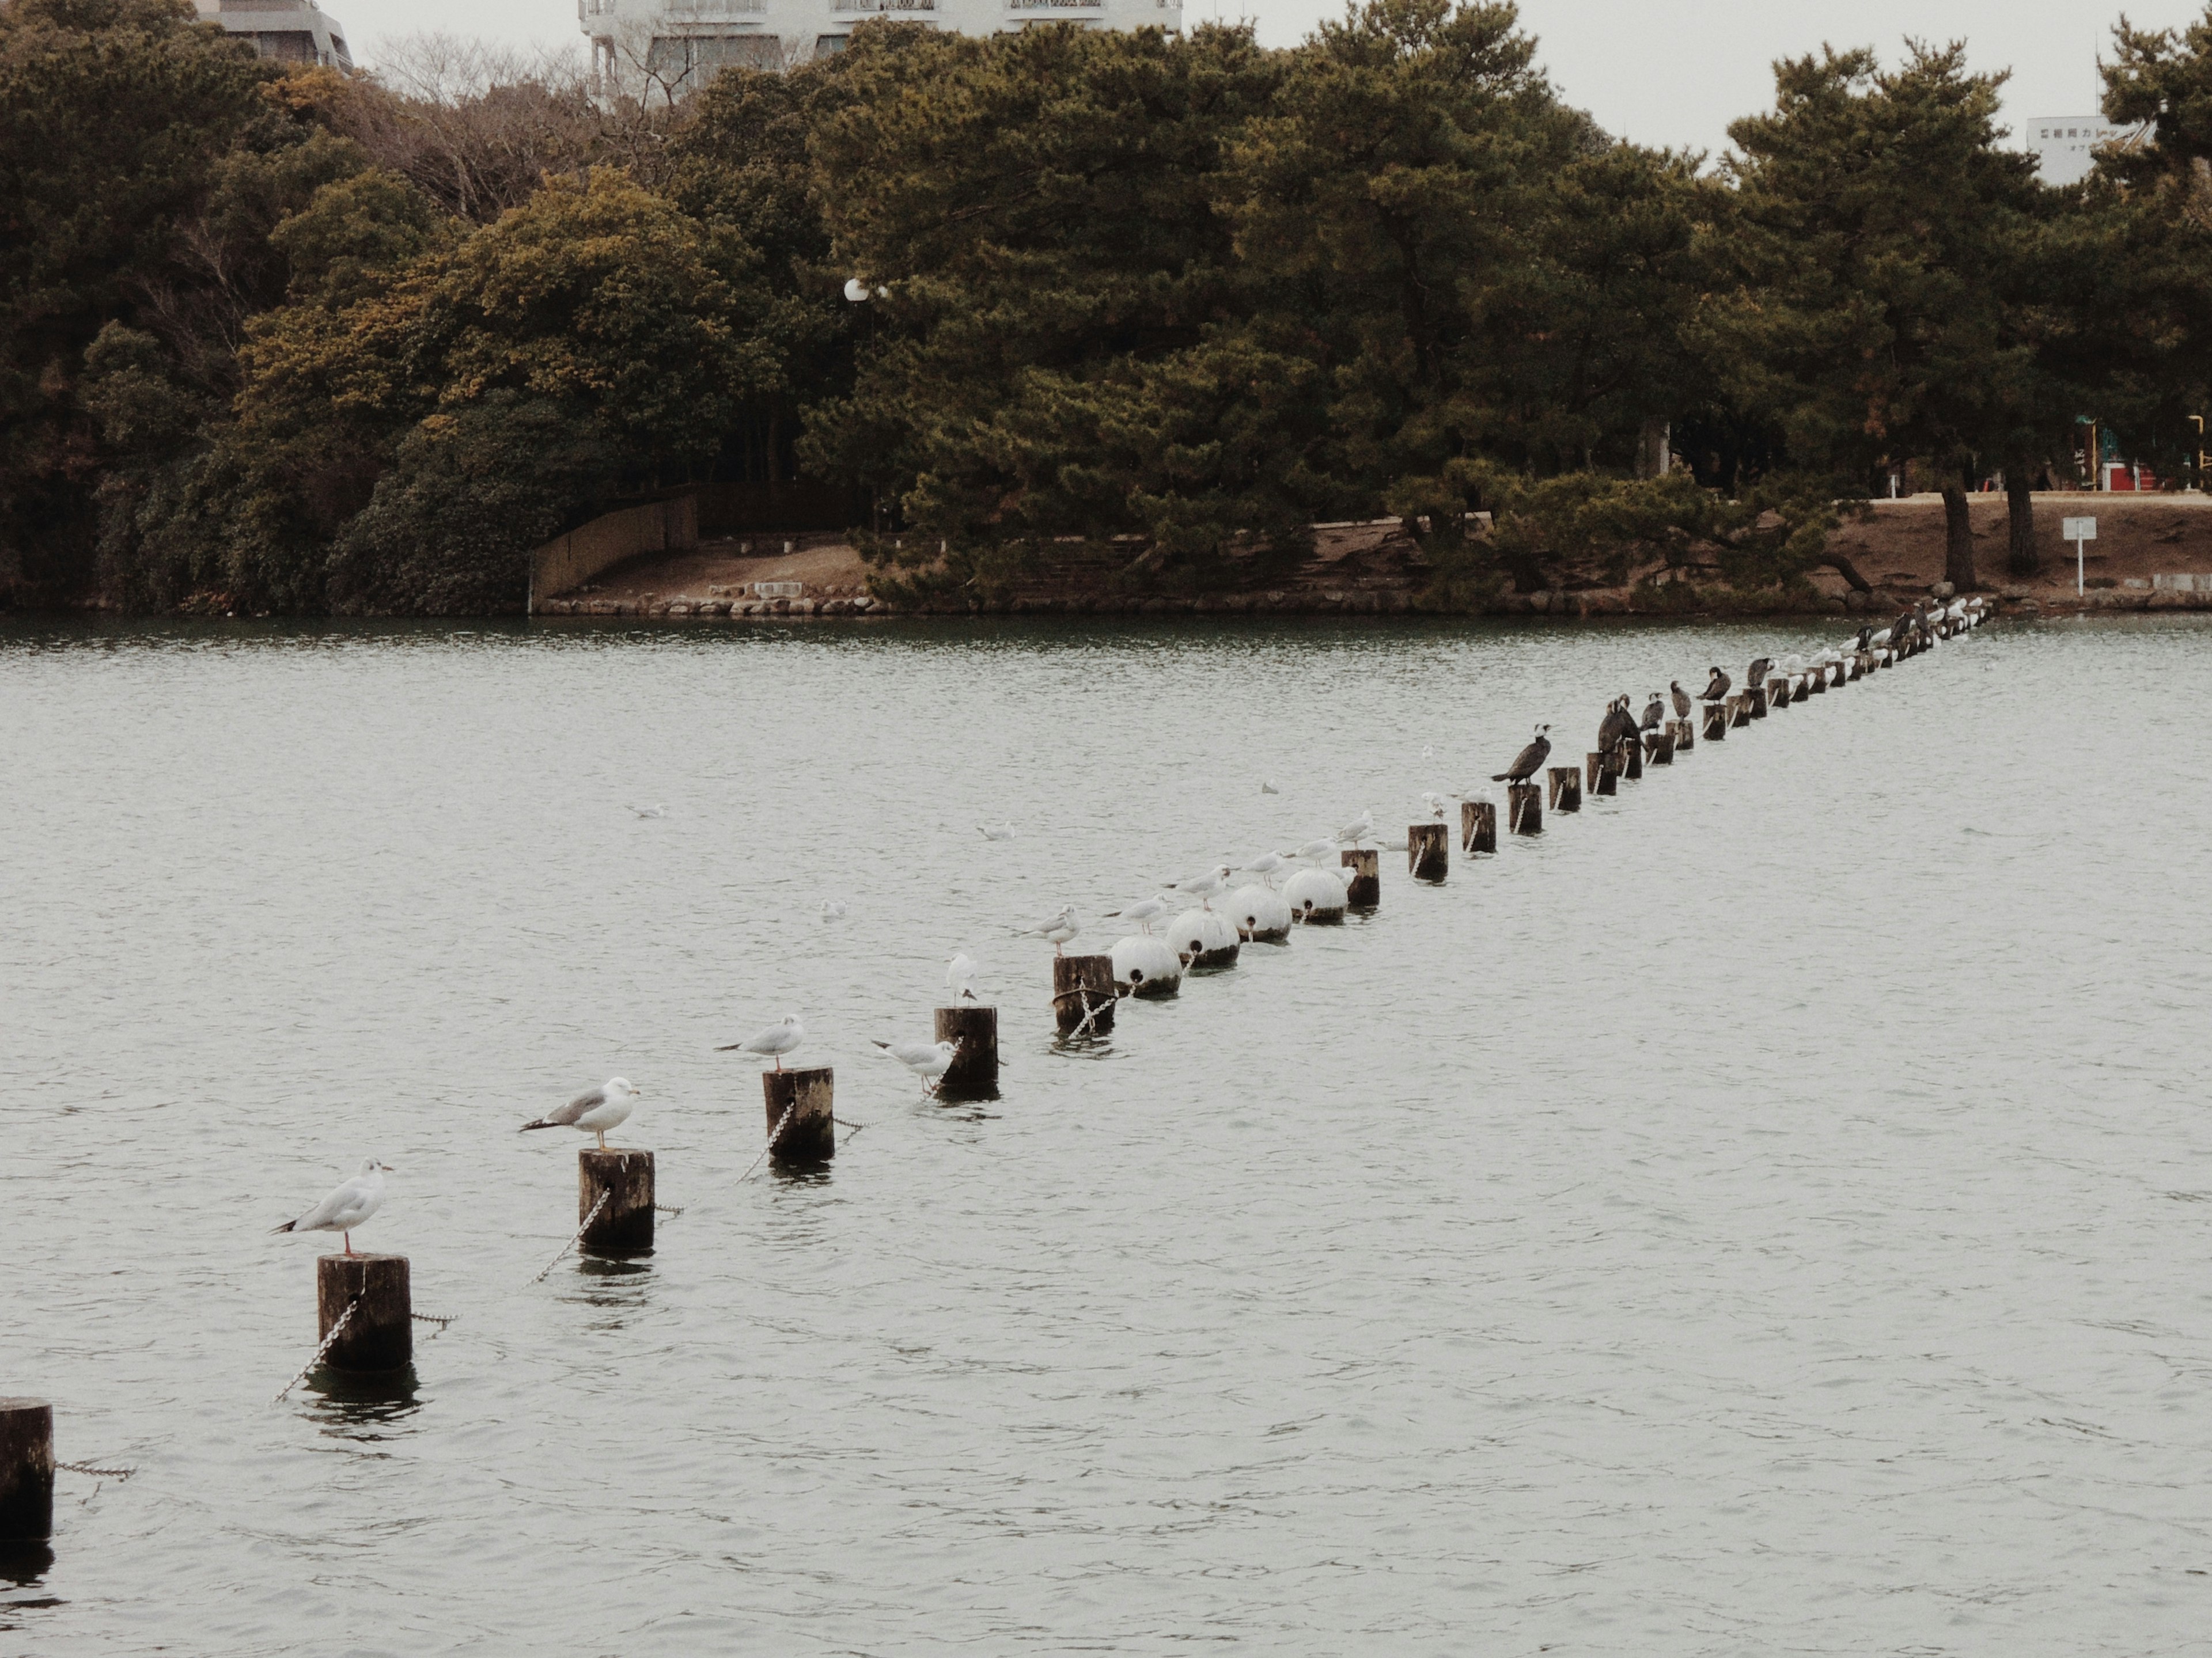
289,31
681,44
2062,143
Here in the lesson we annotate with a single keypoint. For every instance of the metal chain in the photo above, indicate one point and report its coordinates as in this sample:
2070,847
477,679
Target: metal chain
344,1319
433,1318
572,1242
665,1210
773,1135
97,1473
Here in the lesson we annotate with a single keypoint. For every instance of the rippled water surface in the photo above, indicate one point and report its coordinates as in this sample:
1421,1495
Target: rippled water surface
1768,1214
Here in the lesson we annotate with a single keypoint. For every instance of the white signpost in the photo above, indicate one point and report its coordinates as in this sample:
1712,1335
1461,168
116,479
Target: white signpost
2077,531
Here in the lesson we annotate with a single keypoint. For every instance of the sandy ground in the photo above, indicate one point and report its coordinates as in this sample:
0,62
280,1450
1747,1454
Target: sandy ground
1898,549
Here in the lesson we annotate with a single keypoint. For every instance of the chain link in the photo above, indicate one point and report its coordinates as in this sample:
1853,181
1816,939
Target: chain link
774,1134
96,1474
345,1318
572,1242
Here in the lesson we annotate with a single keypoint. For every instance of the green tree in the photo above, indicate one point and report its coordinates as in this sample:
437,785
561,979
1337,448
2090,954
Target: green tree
1880,235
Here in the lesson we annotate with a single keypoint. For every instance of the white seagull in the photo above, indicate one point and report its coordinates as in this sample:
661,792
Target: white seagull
1056,931
833,909
774,1042
352,1203
1358,830
1267,866
595,1110
1312,851
928,1060
1003,832
1267,786
1203,885
960,978
1434,801
1144,912
650,811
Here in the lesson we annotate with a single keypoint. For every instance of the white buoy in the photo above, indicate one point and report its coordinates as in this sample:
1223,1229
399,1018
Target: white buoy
1314,894
1260,912
1146,966
1203,937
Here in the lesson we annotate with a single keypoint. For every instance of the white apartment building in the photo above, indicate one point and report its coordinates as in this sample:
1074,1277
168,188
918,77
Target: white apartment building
680,44
289,31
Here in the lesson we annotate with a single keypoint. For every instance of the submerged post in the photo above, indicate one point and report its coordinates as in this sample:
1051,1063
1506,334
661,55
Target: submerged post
1524,808
380,1333
624,1225
810,1095
1478,826
1083,990
1566,788
1428,852
27,1470
1365,889
974,1033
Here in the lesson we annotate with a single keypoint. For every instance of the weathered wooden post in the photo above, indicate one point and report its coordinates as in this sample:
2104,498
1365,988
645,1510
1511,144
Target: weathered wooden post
1754,701
1777,693
1817,684
810,1135
1632,759
380,1333
1717,720
1365,889
1603,770
974,1033
1686,735
1428,851
1566,788
1659,747
623,1176
1083,990
1856,668
1524,808
27,1470
1478,826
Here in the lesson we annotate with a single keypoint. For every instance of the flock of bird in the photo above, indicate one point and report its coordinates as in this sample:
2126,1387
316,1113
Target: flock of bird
596,1110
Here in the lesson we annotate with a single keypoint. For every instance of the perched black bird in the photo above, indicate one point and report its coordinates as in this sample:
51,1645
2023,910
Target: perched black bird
1755,676
1717,687
1655,711
1902,630
1681,699
1619,726
1865,633
1527,762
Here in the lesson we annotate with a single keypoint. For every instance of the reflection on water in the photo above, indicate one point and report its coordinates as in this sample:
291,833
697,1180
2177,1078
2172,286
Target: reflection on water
1760,1214
360,1404
24,1565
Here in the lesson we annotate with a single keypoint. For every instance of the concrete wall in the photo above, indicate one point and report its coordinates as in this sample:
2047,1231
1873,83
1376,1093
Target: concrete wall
570,560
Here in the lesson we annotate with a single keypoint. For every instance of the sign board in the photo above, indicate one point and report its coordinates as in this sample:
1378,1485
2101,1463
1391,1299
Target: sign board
2081,529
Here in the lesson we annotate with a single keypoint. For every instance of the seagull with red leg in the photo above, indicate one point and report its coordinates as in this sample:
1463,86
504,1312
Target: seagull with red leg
353,1202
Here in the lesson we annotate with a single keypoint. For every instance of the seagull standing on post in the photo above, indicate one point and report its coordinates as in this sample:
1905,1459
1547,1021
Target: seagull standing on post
595,1110
350,1204
774,1042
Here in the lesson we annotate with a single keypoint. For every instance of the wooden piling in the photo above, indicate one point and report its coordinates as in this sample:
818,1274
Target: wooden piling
1754,701
1083,984
1716,721
380,1335
1566,788
1686,735
1659,748
1365,889
1777,693
974,1033
1816,683
1632,759
1524,808
27,1470
810,1095
624,1177
1478,826
1428,851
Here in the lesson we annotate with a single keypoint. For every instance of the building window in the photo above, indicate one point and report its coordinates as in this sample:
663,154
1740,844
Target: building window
825,45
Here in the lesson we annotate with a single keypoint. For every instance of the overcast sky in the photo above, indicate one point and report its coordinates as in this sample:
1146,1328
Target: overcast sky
1658,71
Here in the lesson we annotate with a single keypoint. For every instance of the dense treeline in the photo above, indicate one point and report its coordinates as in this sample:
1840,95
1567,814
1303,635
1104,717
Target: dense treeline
277,340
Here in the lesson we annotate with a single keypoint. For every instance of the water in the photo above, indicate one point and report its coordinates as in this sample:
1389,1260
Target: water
1770,1214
